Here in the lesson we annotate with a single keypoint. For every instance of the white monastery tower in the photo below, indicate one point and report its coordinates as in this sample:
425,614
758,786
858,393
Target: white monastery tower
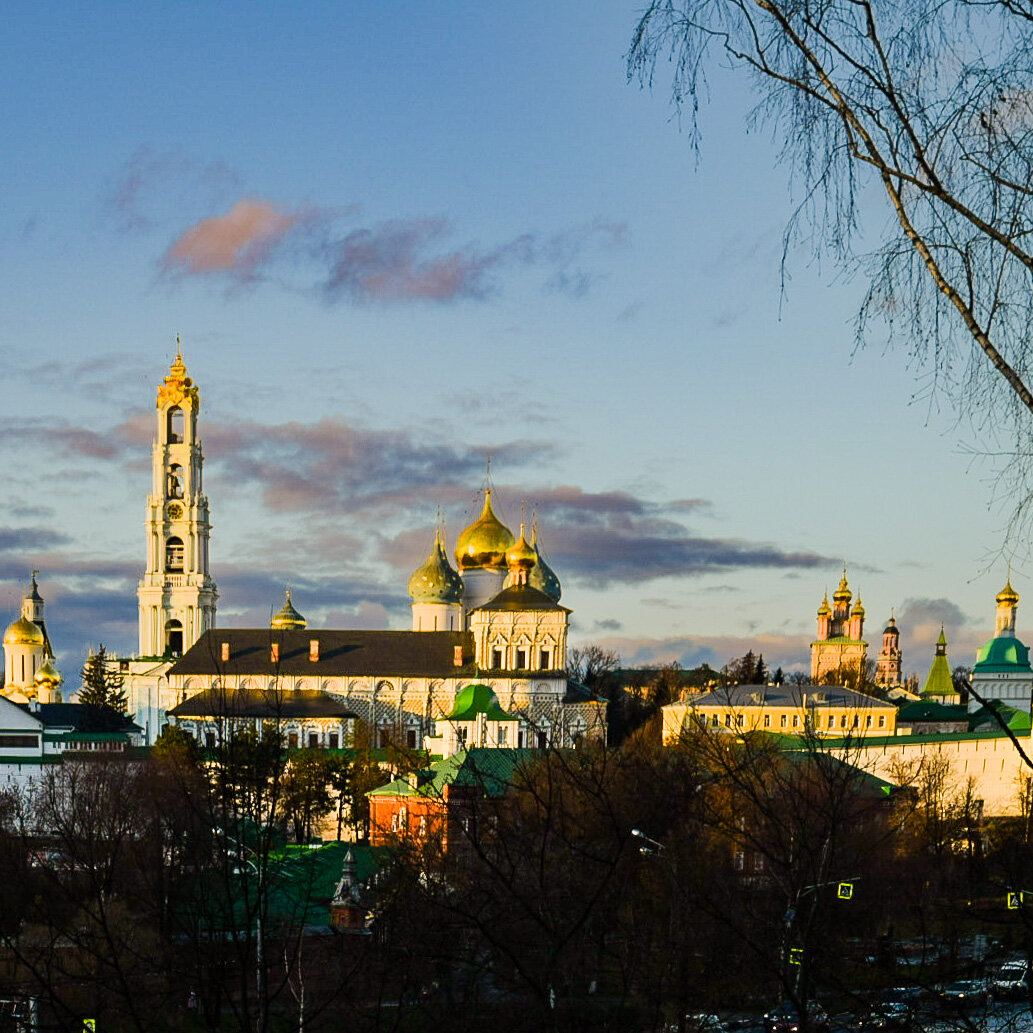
176,595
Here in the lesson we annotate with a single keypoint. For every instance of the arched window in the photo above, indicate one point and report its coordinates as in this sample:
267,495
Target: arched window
175,425
174,554
175,481
173,637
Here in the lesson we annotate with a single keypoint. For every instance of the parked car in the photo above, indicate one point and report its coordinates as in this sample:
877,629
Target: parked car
1010,980
704,1024
962,993
786,1019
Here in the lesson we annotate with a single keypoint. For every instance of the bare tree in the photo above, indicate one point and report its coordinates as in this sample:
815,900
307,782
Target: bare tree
928,104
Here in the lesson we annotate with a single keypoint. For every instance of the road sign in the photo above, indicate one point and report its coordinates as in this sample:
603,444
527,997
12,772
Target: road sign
796,955
846,890
89,1025
1014,900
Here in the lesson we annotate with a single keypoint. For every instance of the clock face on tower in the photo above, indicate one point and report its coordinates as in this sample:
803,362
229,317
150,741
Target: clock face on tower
175,511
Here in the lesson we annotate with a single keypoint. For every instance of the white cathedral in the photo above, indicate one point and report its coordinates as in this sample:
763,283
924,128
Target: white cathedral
495,621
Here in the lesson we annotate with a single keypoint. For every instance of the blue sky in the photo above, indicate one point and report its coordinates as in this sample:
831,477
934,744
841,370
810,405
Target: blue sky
398,238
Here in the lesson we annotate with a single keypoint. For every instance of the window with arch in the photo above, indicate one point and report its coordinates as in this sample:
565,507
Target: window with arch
174,487
174,554
175,425
174,637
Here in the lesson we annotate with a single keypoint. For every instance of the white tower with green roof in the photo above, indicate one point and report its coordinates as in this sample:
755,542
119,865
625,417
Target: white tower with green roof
1002,669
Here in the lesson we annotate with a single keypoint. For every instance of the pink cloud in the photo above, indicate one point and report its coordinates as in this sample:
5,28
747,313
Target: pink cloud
237,243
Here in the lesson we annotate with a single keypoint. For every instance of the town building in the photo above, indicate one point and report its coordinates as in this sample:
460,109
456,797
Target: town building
448,803
826,711
34,736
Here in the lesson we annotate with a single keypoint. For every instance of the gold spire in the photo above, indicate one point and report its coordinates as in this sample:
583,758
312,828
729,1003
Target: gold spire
178,387
858,610
824,610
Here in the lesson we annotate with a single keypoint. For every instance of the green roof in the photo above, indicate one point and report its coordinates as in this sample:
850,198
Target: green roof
477,699
1003,655
1016,720
930,710
301,882
491,770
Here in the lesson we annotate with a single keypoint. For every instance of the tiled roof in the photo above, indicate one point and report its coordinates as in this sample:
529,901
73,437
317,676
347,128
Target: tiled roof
356,653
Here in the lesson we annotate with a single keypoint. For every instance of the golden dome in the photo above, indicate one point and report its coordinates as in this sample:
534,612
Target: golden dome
824,610
521,554
1008,595
288,617
842,594
485,542
23,633
48,675
435,580
542,575
858,610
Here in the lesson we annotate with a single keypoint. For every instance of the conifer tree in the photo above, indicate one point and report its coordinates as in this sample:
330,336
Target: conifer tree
103,691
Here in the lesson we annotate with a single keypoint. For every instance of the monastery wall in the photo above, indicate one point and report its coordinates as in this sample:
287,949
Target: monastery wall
991,761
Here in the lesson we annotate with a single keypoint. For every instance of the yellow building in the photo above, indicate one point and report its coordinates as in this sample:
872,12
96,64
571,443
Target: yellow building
828,711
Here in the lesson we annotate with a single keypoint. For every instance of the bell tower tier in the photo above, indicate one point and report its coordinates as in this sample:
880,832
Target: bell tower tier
177,596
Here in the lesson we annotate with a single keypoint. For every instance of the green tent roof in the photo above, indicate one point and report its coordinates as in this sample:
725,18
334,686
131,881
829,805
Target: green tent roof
477,699
1003,655
939,681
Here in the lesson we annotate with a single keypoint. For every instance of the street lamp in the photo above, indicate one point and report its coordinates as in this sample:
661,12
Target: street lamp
649,845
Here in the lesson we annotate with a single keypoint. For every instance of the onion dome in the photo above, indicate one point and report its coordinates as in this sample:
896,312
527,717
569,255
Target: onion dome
521,555
485,542
824,610
891,627
435,579
1008,595
542,575
48,675
23,633
858,610
288,618
842,594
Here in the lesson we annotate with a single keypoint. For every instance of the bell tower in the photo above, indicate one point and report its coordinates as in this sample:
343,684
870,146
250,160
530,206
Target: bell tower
176,594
